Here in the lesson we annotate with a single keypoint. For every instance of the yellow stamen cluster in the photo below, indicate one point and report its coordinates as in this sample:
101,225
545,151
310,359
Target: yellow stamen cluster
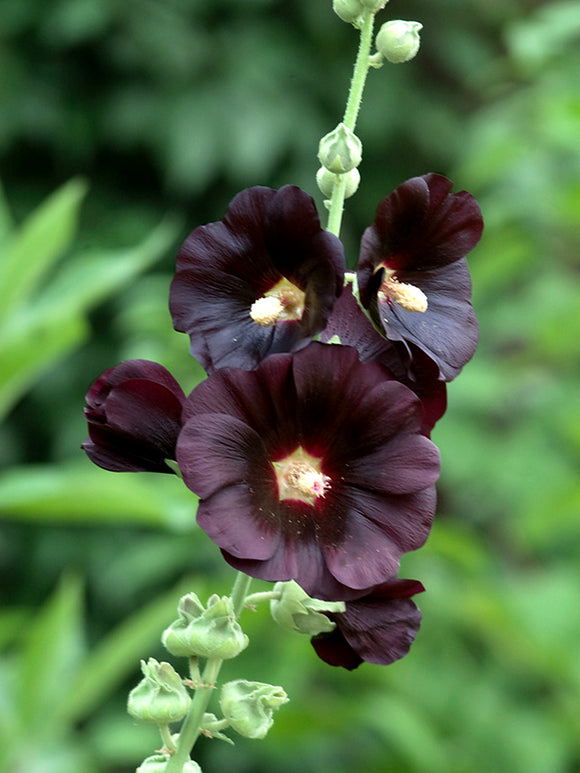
299,477
285,301
266,310
408,296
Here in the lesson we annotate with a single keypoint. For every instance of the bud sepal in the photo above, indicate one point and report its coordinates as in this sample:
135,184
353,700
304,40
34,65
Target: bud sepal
161,696
249,706
340,150
209,632
296,611
157,763
398,40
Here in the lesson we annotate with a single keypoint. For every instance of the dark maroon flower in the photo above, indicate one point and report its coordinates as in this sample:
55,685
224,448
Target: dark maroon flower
134,417
352,326
377,628
312,468
412,271
259,282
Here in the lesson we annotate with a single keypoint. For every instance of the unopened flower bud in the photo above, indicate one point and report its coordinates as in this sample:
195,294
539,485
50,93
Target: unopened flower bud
157,763
340,150
398,41
249,706
374,5
296,611
327,180
348,10
207,632
160,696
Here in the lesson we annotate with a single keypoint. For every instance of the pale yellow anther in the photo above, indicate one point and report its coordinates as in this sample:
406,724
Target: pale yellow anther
267,310
408,296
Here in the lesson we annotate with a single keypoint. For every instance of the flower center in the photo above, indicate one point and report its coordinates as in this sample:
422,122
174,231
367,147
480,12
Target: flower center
283,302
299,477
408,296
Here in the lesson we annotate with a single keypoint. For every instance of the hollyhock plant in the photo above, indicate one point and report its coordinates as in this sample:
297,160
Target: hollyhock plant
377,628
312,468
349,323
311,459
412,272
134,417
261,281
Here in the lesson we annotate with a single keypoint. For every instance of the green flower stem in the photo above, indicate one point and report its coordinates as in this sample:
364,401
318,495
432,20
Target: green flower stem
357,85
191,727
257,598
166,738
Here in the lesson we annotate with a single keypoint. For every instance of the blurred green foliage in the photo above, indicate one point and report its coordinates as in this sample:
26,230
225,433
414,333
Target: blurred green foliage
171,107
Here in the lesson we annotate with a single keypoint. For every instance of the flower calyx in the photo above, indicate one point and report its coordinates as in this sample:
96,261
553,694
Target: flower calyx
349,11
249,706
340,150
210,632
296,611
398,41
160,696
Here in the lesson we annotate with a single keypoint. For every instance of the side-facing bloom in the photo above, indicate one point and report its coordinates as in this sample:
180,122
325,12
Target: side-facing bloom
377,628
134,416
412,271
310,468
261,281
353,328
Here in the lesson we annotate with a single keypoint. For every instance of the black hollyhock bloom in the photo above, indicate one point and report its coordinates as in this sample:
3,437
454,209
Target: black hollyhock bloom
261,281
349,322
134,417
310,468
377,628
412,271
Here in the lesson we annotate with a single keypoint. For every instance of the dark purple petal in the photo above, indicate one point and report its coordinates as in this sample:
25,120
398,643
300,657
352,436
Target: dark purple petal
222,268
402,361
447,331
134,417
378,628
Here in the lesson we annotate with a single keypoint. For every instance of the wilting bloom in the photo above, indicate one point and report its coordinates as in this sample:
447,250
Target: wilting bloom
349,322
412,271
378,628
310,468
261,281
134,417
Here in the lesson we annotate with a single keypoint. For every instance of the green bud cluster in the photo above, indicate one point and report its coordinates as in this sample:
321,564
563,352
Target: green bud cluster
339,152
249,706
295,611
398,41
160,696
207,632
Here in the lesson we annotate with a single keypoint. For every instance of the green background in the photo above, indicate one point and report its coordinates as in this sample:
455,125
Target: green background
122,127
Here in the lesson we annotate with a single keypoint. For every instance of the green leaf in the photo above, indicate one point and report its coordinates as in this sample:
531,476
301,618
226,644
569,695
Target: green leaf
6,221
42,332
82,493
31,349
38,245
50,657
